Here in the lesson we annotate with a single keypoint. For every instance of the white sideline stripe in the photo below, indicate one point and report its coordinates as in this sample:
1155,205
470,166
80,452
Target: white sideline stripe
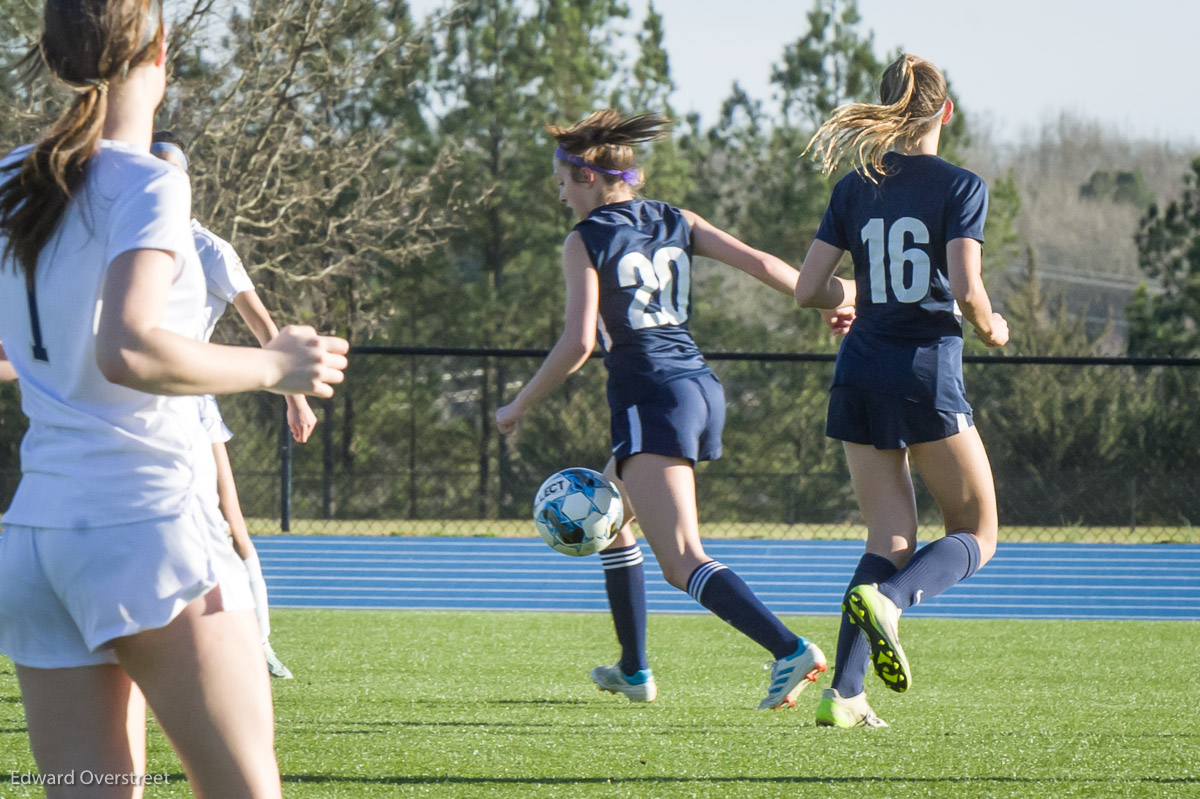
670,596
1000,562
582,564
791,608
437,608
761,587
849,551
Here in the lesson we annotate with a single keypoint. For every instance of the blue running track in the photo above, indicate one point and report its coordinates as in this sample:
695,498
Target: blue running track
1027,581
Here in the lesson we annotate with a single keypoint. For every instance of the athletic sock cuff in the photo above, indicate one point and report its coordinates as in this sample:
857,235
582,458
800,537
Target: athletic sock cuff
700,577
973,556
621,558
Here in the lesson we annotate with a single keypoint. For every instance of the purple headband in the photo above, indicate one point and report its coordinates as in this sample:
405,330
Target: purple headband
630,176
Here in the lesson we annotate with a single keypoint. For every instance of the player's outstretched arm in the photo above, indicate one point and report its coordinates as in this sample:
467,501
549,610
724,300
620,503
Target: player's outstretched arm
577,341
301,419
712,242
134,350
818,287
6,368
964,261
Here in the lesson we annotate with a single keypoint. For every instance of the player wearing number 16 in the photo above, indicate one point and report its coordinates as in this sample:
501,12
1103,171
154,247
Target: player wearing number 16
627,266
913,224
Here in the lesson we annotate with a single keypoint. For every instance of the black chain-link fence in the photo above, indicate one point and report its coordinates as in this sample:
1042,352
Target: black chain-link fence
1082,449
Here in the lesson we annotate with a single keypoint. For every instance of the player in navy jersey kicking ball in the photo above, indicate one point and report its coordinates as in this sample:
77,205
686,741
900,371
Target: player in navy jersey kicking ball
913,224
627,267
227,284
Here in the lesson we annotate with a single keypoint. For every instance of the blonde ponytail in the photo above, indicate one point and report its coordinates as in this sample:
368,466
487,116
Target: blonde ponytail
912,97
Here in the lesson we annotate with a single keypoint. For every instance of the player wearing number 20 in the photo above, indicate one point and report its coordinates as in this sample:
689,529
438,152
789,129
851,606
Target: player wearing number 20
913,225
627,266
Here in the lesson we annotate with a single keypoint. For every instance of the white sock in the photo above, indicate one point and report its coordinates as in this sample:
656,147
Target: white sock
258,587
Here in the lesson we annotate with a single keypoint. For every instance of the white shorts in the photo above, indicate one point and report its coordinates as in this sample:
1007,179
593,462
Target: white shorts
66,594
214,424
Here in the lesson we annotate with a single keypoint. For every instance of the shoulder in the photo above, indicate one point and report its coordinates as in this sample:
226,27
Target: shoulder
137,179
207,240
961,178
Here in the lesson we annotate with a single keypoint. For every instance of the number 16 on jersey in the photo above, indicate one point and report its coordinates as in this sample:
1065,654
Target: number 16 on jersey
891,243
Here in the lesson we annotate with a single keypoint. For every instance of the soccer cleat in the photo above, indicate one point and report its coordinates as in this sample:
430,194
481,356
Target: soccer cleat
836,710
878,617
792,674
275,665
638,687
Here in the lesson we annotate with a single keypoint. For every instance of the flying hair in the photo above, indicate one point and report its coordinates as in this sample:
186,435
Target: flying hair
606,139
912,94
87,44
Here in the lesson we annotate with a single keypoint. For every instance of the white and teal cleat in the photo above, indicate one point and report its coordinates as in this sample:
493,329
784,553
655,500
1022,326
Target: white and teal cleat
275,665
792,674
637,687
836,710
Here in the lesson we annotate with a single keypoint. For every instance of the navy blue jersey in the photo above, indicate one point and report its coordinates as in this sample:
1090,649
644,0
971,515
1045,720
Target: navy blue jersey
642,253
907,337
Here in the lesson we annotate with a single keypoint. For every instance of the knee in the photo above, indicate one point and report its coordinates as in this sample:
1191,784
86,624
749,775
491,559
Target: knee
986,541
676,575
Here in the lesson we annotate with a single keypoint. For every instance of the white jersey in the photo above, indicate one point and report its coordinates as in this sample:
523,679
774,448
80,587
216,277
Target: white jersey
98,454
223,272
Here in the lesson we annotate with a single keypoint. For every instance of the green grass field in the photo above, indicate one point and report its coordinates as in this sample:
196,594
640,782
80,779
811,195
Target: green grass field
499,705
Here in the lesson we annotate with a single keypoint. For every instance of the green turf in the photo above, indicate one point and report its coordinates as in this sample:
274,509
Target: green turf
499,705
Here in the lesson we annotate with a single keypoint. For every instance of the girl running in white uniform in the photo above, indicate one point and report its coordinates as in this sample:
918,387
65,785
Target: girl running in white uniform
228,283
114,566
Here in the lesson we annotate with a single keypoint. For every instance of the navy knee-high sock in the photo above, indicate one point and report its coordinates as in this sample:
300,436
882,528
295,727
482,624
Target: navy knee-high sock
934,568
853,651
716,587
625,583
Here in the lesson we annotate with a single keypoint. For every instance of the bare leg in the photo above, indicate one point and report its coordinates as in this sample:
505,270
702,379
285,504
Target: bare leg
202,675
231,507
625,536
883,487
663,490
957,472
91,718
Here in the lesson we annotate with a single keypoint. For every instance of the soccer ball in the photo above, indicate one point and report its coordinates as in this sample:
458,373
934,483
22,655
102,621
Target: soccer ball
577,511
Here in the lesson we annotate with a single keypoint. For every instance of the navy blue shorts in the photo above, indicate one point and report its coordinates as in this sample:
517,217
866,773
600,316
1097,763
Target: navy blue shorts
887,422
680,419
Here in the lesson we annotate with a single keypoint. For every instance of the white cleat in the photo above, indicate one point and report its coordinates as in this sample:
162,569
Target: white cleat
275,665
639,687
792,674
836,710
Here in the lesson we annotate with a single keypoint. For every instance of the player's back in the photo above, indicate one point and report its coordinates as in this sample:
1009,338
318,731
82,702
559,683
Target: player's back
896,231
642,252
906,340
85,431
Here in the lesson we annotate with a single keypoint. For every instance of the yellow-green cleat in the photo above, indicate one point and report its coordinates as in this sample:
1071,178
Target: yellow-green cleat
836,710
878,617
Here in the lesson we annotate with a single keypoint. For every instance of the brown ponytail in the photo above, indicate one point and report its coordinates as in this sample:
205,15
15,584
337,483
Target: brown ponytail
912,93
606,139
86,44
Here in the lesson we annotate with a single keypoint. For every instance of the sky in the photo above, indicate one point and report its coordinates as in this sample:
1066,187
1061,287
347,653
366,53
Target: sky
1016,64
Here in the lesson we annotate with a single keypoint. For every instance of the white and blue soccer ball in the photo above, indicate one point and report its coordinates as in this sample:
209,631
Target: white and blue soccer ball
577,511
